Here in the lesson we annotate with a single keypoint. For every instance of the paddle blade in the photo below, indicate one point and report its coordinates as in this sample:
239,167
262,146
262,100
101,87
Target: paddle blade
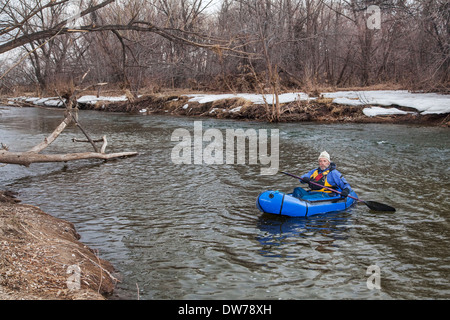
376,206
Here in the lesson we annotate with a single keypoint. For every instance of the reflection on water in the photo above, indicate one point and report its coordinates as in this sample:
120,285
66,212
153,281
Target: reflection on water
193,231
325,231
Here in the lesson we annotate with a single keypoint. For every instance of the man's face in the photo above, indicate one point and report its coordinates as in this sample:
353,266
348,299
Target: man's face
323,163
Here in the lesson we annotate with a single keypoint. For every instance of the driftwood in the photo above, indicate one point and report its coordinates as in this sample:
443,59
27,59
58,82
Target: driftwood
27,158
33,155
103,139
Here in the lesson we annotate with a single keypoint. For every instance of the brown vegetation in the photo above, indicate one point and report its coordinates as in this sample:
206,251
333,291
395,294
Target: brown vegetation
318,110
247,46
37,252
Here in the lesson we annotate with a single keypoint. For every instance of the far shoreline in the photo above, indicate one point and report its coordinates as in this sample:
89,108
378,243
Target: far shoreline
319,110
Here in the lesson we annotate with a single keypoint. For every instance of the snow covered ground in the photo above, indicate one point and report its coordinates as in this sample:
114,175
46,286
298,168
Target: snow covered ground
381,102
255,98
56,102
424,103
49,102
94,99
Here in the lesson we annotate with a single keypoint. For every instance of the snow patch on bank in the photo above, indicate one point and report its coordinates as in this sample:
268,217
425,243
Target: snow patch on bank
424,103
375,111
372,102
94,99
255,98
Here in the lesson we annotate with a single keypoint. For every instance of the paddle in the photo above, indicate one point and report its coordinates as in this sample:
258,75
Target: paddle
376,206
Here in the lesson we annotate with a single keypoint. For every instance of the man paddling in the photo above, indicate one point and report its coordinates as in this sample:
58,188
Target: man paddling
325,175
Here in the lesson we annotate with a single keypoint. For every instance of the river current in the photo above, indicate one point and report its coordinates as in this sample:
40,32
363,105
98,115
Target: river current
192,231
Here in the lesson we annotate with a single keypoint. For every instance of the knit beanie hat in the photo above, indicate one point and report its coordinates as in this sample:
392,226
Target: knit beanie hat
325,155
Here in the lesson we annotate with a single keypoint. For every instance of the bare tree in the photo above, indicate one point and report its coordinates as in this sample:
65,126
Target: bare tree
21,32
34,155
303,43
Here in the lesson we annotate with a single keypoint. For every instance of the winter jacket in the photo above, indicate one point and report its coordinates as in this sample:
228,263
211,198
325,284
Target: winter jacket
332,179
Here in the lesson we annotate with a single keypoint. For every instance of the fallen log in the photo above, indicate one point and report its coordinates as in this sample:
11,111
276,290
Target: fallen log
103,139
52,137
27,158
70,116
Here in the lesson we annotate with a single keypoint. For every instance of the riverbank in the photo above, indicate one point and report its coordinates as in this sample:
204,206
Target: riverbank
383,106
43,259
321,110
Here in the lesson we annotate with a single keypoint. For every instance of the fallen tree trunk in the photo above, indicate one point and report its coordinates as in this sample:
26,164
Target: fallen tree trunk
27,158
33,155
52,137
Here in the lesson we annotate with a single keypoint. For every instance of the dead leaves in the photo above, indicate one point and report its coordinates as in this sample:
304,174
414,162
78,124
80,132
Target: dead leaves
37,251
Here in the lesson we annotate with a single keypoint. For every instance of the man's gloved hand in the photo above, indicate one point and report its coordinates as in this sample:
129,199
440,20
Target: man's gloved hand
305,180
345,192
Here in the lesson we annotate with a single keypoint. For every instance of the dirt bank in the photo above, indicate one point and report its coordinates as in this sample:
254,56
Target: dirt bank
319,110
42,258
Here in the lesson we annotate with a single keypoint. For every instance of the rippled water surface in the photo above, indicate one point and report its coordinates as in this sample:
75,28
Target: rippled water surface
185,231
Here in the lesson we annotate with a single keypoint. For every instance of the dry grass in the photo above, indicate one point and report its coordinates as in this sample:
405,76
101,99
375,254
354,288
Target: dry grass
36,252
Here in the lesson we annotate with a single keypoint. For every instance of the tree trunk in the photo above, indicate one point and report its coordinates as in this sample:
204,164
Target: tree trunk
27,158
33,155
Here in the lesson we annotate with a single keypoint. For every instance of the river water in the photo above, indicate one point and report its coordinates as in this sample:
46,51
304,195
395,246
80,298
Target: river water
192,231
